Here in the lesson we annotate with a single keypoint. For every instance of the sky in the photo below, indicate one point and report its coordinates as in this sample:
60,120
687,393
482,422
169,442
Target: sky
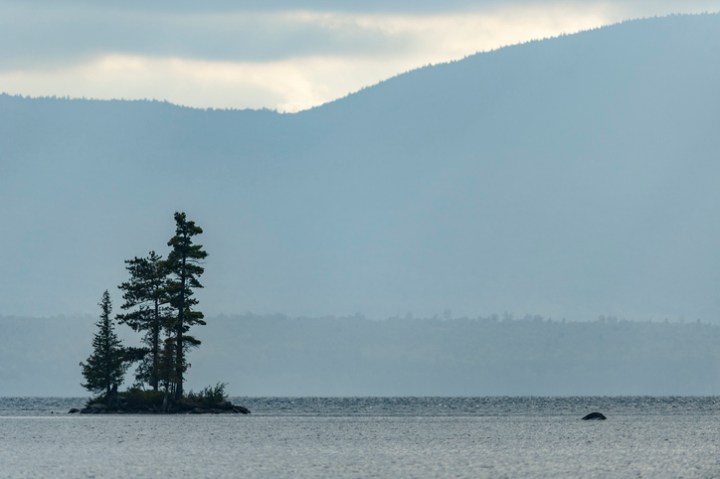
278,54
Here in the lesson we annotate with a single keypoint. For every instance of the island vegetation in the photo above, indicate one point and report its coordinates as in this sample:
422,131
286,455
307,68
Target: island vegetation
159,304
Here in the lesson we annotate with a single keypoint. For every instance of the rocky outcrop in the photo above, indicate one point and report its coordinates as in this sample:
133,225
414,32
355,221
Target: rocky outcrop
594,416
215,410
223,408
182,407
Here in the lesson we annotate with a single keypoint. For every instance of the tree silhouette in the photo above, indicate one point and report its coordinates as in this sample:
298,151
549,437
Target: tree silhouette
184,267
105,368
146,299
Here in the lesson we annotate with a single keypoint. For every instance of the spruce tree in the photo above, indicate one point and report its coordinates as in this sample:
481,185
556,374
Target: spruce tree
145,296
184,266
105,368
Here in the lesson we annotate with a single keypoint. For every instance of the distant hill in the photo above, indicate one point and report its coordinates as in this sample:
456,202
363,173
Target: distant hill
493,356
569,177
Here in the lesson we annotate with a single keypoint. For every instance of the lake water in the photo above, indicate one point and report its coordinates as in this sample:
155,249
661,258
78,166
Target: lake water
370,437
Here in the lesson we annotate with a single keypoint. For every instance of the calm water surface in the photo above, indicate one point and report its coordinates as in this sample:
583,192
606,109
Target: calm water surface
371,437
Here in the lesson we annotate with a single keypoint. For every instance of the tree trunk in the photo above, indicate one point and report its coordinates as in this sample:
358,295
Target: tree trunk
179,334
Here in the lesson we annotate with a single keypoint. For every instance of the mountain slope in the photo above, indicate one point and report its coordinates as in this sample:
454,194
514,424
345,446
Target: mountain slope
568,177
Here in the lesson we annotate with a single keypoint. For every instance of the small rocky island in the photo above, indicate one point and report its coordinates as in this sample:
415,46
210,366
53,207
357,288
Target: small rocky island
211,400
160,304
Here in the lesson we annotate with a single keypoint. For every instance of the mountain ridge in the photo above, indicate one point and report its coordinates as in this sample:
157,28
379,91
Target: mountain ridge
566,177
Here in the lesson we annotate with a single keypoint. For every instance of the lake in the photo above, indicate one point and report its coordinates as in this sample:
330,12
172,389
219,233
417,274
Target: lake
370,437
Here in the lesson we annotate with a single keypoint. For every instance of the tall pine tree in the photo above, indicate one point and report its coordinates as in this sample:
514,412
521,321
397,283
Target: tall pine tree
184,266
105,368
146,299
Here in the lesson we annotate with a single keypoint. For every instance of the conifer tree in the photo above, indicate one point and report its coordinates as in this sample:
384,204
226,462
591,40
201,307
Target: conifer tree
145,296
105,368
184,266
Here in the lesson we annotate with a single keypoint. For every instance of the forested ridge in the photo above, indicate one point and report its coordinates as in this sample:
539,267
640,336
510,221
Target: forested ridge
567,177
495,355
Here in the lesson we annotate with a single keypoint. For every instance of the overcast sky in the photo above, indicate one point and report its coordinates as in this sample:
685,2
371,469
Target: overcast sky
279,54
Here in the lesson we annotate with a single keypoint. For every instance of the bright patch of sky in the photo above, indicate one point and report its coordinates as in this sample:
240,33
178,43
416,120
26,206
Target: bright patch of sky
273,54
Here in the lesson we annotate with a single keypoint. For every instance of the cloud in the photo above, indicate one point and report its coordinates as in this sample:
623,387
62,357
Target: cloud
366,6
266,54
235,6
288,86
67,36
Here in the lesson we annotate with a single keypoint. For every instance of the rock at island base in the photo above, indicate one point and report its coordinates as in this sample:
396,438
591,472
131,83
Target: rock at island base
594,416
241,409
222,408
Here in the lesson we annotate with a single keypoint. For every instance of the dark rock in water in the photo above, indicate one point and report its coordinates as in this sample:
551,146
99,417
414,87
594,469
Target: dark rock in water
594,415
73,410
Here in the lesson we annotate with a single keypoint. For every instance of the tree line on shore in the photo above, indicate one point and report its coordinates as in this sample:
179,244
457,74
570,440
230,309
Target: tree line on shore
159,304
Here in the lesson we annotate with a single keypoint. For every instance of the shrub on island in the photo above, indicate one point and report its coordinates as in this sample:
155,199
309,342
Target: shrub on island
211,400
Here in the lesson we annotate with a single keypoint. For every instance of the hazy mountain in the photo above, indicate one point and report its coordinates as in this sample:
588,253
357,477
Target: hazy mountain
569,177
